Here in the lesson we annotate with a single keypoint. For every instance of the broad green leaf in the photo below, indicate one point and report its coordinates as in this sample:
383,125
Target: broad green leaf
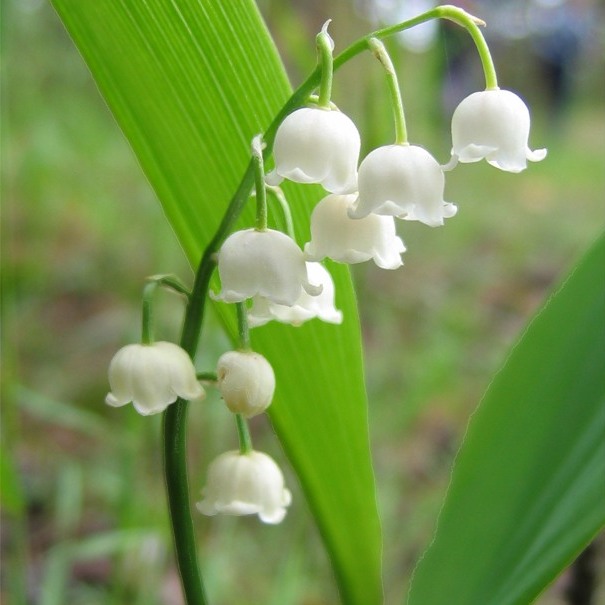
190,82
528,490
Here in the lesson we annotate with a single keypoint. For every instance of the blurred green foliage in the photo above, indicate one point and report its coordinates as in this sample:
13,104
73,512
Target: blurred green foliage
84,517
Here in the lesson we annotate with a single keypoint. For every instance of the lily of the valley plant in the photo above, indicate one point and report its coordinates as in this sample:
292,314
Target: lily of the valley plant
267,275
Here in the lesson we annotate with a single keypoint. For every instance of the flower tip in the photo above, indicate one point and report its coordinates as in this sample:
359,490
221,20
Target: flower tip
477,21
323,34
313,290
453,162
273,179
537,155
355,212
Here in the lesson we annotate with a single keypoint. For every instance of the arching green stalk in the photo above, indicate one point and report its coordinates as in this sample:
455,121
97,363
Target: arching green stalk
147,313
380,52
325,62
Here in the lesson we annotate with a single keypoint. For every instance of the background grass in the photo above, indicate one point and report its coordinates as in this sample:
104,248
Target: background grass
84,518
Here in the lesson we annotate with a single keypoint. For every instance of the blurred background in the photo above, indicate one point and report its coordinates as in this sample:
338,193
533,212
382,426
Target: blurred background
83,508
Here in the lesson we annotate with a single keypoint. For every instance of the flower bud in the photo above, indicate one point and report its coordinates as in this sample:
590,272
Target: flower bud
246,382
152,376
305,308
403,181
315,145
493,124
245,484
347,240
266,263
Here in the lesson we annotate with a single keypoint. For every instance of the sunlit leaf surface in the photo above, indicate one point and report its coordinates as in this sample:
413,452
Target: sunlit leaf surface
190,82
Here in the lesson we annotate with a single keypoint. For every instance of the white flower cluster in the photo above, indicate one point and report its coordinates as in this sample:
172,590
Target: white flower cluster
356,221
152,376
250,482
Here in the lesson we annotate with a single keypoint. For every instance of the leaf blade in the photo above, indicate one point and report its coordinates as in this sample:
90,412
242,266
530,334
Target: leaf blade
526,492
190,83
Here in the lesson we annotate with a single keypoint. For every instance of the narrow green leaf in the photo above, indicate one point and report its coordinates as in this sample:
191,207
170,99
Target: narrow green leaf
191,82
527,492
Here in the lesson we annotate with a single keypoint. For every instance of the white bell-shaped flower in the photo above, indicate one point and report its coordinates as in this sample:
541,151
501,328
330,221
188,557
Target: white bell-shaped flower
245,484
152,376
493,124
343,239
403,181
266,263
305,308
246,382
314,145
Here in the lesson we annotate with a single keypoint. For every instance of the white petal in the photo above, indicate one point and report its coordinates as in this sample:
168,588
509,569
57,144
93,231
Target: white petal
314,145
337,236
264,263
152,377
245,484
403,181
493,124
306,307
246,382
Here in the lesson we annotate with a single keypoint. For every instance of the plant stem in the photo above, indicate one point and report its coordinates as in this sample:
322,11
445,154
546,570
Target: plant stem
175,416
278,194
177,488
325,63
259,183
147,314
242,326
380,52
461,17
245,441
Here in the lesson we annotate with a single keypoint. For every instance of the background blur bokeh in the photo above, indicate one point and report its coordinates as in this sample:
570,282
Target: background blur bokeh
83,509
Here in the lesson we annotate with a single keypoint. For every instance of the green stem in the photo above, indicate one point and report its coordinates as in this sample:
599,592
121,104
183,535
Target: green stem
242,326
147,314
172,282
206,376
175,416
245,441
278,194
461,17
380,52
259,183
325,63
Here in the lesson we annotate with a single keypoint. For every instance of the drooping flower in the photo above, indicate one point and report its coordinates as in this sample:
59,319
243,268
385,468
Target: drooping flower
152,376
316,145
403,181
246,382
346,240
265,263
493,124
245,484
305,308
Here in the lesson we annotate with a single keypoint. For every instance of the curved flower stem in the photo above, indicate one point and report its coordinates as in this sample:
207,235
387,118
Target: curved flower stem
325,62
242,326
245,441
461,17
259,183
278,194
380,52
206,376
175,416
147,314
171,282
